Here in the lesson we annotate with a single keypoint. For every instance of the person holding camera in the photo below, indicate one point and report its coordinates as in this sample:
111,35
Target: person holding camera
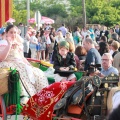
107,67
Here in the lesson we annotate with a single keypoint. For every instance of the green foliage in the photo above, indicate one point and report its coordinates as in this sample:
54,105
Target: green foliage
70,11
20,16
103,12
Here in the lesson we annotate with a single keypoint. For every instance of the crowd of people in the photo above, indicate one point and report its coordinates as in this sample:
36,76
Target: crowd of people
64,48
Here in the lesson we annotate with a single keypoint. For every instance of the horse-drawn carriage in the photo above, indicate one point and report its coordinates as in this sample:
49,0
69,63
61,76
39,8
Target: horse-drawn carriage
81,100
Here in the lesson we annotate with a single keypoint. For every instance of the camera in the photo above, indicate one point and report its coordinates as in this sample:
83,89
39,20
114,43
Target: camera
93,67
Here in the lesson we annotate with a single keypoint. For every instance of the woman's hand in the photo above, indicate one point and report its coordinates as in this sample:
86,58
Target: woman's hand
9,40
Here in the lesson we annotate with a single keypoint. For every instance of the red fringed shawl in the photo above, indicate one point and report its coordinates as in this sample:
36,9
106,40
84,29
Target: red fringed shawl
40,106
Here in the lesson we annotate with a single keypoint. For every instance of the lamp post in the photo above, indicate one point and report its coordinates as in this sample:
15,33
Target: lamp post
28,11
84,13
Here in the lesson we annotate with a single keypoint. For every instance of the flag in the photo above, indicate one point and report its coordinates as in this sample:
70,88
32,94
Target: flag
5,11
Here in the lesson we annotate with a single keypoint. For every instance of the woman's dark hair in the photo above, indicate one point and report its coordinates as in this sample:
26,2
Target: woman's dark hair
51,30
112,29
3,33
104,38
104,48
110,42
9,27
80,51
42,33
69,29
76,28
38,32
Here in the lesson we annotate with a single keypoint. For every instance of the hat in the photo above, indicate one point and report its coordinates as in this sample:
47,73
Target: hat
2,30
64,44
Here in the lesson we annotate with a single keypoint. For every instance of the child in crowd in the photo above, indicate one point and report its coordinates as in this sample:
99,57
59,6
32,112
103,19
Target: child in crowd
64,63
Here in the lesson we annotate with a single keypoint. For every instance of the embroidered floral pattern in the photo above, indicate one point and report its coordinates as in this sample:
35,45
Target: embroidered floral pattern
63,85
45,101
49,94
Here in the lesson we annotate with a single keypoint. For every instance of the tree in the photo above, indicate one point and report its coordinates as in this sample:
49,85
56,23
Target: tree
20,16
102,12
70,11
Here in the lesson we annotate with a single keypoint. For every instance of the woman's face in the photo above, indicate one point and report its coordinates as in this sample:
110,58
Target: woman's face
12,33
67,35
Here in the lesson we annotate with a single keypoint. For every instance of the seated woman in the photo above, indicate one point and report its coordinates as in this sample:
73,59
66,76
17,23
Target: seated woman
32,79
81,52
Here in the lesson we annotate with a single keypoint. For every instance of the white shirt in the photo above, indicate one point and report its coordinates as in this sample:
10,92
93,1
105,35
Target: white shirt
33,39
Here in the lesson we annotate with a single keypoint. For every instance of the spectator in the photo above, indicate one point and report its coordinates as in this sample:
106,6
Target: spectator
93,55
63,30
117,29
103,48
38,46
107,67
69,38
103,39
116,61
92,34
110,48
77,36
104,32
97,32
33,43
115,46
81,52
84,33
113,35
59,37
43,44
52,34
27,50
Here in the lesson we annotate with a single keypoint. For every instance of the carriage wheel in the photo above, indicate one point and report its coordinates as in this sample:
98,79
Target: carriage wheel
3,109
